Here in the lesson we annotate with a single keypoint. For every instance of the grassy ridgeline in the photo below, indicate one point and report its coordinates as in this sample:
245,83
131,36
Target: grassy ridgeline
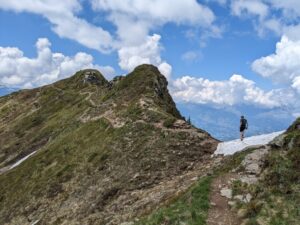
96,143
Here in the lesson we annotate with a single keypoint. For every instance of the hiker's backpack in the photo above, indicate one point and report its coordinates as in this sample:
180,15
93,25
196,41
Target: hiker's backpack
244,123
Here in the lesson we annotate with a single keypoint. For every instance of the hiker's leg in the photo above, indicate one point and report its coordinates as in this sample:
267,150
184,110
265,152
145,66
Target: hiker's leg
242,135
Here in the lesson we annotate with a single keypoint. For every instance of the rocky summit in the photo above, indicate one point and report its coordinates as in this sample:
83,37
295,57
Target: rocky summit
88,151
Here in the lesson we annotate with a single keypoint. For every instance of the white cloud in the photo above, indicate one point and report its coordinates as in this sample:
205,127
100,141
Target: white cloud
252,7
190,56
146,53
16,70
284,65
272,24
62,15
290,8
236,90
165,69
278,16
291,31
135,19
296,84
150,13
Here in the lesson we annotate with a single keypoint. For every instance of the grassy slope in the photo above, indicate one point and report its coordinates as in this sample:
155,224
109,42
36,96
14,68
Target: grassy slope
77,154
276,198
280,187
192,207
89,164
29,118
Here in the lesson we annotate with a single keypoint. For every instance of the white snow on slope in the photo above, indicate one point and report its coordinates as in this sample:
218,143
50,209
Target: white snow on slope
231,147
9,167
21,160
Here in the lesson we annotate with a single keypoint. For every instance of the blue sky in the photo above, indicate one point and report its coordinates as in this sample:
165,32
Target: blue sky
215,53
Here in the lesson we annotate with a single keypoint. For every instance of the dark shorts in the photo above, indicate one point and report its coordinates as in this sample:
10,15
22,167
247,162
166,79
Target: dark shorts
242,128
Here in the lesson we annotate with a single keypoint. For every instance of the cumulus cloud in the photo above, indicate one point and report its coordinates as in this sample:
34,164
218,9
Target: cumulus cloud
290,8
280,17
236,90
134,21
17,70
160,11
65,23
165,69
296,84
284,65
146,53
135,18
252,7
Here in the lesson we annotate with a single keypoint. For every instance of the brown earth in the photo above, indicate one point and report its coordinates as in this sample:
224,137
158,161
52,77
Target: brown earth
220,212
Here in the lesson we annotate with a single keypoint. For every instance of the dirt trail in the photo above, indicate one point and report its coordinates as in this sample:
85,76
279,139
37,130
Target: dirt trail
220,213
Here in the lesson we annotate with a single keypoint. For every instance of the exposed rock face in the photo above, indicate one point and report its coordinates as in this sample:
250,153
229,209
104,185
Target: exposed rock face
254,161
93,78
278,141
105,152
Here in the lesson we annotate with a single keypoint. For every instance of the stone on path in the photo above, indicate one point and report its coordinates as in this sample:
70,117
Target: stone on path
226,192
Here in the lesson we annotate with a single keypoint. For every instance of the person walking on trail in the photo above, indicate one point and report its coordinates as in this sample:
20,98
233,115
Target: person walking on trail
243,127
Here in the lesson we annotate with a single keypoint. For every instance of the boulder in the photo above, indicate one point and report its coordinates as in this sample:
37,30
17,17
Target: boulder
254,161
278,141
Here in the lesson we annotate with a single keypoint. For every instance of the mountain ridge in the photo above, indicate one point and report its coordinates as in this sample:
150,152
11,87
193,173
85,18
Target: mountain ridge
119,152
101,148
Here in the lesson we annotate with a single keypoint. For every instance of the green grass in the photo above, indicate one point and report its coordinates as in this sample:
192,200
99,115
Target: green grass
133,111
190,208
233,161
74,156
276,197
168,123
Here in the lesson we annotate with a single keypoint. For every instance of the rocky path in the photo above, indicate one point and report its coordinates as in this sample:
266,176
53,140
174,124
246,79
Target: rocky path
220,212
222,198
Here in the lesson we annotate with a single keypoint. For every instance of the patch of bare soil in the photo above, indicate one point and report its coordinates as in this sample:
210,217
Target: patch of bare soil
220,212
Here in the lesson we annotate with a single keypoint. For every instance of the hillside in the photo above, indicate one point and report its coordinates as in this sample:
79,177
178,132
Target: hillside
276,194
257,186
100,152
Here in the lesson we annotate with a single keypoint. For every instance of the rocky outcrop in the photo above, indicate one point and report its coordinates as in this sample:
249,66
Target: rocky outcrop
254,161
90,77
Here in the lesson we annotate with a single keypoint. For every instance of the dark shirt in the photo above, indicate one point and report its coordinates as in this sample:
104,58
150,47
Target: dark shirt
243,124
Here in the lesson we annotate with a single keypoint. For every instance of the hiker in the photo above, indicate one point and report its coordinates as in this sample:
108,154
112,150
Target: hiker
243,126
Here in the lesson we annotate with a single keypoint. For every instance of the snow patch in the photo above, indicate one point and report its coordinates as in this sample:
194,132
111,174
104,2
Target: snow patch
21,160
231,147
35,222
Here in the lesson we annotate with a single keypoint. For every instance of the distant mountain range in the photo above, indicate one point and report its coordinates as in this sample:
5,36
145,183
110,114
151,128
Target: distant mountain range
5,90
223,122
